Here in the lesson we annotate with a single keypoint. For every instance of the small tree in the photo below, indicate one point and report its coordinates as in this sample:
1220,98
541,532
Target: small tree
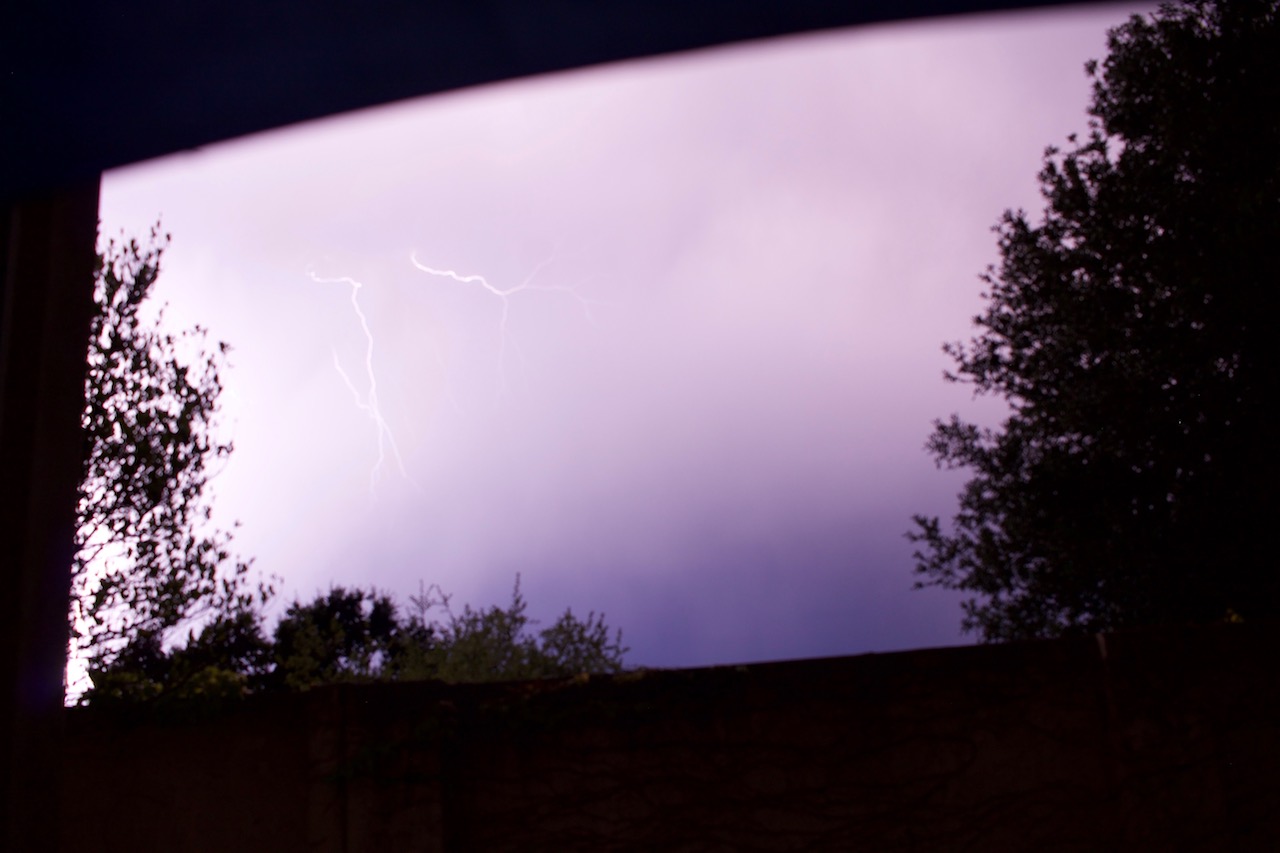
497,645
1132,333
147,558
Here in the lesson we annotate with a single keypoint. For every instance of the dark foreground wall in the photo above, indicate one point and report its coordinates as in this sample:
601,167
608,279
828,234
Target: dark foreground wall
1159,740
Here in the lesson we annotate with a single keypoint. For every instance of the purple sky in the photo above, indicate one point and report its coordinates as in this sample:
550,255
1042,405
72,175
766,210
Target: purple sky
702,408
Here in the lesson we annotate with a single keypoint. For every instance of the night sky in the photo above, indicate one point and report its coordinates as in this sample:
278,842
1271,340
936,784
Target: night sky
688,354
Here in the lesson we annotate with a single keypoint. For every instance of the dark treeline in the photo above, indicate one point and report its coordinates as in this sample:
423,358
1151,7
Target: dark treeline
354,635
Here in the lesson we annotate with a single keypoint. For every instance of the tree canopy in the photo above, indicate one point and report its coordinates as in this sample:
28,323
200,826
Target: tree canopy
1129,330
355,635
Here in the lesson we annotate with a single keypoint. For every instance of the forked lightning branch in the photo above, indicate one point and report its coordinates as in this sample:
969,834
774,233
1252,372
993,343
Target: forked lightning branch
364,393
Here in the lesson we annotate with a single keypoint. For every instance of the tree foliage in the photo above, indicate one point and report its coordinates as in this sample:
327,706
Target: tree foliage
1134,479
148,559
346,635
498,644
354,635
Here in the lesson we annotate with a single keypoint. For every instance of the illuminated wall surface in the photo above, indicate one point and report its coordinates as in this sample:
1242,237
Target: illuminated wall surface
1157,740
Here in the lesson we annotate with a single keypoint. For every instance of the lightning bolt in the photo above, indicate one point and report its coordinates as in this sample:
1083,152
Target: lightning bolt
504,297
368,401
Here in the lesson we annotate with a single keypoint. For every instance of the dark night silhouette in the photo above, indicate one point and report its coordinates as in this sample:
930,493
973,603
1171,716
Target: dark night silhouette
1128,331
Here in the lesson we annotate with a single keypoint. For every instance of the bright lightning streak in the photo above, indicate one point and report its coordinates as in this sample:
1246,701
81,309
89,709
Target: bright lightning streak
368,402
504,296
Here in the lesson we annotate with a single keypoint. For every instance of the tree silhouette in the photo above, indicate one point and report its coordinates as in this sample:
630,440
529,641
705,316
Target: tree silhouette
148,560
1130,331
355,635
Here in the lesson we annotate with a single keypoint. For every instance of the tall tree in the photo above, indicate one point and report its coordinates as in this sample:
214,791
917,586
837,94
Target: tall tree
1130,331
148,559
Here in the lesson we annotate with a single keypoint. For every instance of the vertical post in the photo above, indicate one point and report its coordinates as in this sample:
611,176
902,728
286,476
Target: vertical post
47,253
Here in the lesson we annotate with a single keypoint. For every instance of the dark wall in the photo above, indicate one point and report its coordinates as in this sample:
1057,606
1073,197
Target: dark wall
1155,740
236,781
46,265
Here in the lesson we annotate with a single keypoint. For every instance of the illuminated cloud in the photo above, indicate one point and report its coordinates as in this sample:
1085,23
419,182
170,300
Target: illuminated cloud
713,429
